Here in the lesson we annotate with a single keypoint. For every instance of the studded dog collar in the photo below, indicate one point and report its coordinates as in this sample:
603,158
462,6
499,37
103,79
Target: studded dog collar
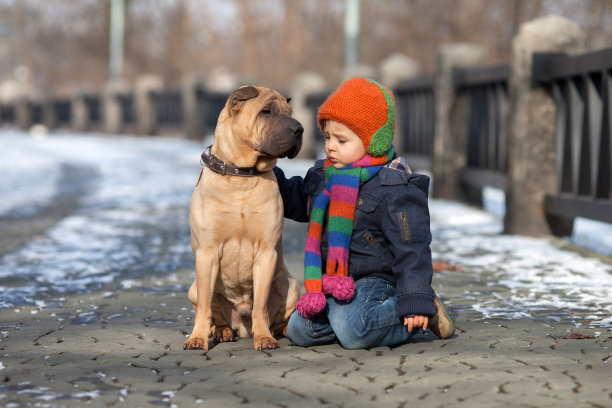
220,167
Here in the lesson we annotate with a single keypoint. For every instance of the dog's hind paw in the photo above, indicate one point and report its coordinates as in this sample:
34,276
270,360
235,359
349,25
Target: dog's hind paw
196,343
223,334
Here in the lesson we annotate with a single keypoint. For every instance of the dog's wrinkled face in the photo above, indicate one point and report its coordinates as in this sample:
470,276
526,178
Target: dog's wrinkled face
261,118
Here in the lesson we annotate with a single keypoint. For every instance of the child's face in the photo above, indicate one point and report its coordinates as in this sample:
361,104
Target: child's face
342,145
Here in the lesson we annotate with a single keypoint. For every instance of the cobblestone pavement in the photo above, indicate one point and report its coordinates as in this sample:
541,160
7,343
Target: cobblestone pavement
124,348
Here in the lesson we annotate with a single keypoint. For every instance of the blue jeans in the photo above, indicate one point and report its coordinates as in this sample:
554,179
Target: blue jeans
368,320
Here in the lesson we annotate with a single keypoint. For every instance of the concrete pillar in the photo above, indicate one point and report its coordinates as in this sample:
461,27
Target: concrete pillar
192,121
80,113
397,68
23,117
49,118
360,70
112,107
449,151
146,123
531,170
302,85
393,70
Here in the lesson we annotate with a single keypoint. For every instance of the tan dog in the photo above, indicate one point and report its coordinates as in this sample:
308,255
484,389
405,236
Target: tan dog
236,216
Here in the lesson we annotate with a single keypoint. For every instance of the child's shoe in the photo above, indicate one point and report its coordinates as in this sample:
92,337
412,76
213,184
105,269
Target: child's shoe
442,324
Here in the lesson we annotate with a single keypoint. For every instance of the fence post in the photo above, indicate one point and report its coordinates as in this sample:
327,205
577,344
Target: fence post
302,85
80,113
532,154
112,106
23,117
146,121
449,150
49,118
191,119
394,70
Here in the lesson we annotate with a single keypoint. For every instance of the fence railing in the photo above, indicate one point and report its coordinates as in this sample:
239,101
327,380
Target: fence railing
127,109
209,106
7,114
94,111
313,101
62,112
415,107
581,87
485,92
168,109
467,109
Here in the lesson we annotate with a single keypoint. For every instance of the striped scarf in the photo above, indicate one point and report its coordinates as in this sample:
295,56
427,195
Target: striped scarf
340,196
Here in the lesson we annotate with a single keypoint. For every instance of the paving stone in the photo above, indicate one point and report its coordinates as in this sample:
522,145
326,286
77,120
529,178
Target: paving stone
127,351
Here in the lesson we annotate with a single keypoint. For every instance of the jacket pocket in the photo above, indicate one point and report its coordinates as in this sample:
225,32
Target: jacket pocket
402,219
366,204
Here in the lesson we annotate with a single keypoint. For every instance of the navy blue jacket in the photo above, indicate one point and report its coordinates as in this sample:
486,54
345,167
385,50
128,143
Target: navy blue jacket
391,233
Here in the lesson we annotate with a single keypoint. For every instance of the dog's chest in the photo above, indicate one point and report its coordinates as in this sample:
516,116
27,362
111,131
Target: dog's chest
236,265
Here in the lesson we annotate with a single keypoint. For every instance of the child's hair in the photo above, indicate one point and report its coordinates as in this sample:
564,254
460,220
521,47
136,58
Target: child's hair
367,108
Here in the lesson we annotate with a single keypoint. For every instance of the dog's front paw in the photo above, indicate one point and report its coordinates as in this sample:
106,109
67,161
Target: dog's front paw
196,343
263,343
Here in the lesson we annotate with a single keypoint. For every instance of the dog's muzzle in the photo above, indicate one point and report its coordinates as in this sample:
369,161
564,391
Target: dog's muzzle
285,138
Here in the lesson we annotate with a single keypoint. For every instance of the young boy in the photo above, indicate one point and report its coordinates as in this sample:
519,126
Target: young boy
367,265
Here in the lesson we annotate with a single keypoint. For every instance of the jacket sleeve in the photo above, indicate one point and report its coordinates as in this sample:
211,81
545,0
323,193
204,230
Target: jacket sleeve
405,225
294,196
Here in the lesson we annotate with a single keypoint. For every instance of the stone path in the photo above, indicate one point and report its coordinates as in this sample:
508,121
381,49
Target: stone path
124,348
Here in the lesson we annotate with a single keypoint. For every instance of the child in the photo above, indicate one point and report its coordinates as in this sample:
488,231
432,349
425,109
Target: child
369,230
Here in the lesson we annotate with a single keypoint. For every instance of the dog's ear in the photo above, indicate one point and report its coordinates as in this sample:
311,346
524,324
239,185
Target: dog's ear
288,99
240,95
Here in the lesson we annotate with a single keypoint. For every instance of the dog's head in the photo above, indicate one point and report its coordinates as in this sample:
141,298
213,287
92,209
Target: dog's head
256,123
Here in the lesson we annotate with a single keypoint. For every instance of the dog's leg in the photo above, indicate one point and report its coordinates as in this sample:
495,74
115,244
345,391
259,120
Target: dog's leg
222,311
285,292
263,273
207,269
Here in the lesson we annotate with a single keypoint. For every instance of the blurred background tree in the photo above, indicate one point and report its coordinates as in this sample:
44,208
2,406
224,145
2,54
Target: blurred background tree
55,45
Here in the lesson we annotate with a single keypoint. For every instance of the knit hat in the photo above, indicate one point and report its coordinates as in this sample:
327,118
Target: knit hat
366,107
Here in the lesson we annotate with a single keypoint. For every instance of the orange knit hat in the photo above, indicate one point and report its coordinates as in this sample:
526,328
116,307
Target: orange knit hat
366,107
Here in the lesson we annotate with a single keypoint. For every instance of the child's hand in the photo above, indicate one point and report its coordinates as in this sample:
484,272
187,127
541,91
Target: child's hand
412,322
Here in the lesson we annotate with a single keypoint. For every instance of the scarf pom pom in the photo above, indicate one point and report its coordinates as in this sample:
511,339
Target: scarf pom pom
311,304
340,287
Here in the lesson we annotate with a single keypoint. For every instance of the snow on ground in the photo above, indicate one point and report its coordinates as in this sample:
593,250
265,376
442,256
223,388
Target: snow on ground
539,275
134,222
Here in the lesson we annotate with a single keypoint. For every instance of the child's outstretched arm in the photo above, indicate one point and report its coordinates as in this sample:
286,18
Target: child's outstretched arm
295,192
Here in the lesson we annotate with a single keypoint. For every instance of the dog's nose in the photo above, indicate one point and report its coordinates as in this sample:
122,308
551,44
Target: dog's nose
297,129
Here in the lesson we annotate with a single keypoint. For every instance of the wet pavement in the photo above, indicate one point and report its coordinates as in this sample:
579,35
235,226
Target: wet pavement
96,312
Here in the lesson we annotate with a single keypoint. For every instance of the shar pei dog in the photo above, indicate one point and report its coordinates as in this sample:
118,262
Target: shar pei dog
242,286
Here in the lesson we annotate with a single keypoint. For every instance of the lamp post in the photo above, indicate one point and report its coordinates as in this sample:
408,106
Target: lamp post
117,26
351,34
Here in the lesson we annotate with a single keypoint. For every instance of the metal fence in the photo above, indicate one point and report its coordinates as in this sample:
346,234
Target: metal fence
209,106
93,104
581,86
128,109
36,112
313,101
485,93
62,112
7,115
168,109
415,110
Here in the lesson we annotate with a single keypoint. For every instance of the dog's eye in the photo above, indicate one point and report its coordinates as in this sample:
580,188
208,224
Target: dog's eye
266,111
